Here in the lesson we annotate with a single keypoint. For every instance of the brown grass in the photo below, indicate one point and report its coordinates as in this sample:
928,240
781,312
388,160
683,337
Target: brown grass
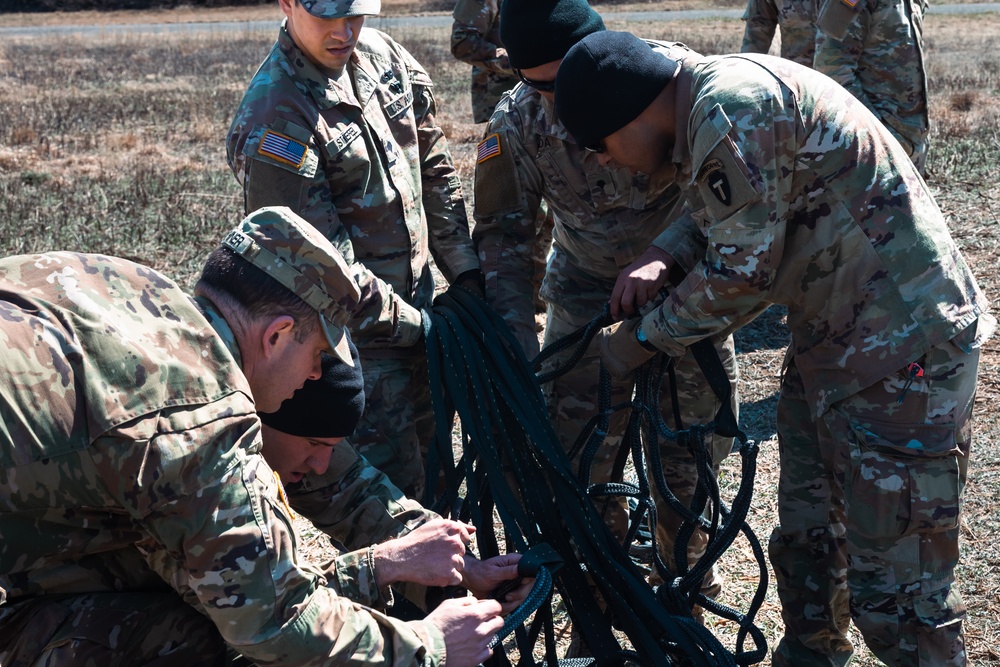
115,144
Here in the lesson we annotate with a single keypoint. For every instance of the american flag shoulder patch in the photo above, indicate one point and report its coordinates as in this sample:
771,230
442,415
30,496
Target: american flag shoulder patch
488,148
283,149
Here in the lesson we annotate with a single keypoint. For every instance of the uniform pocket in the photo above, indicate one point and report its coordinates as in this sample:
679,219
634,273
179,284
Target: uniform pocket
903,479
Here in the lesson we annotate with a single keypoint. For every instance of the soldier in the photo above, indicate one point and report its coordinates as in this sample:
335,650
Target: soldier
140,524
331,485
339,124
821,210
475,39
875,49
604,217
797,19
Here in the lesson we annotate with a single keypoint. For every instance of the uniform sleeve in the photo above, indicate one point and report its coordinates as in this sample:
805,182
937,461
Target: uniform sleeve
840,58
509,213
683,239
213,510
761,19
740,160
357,506
473,20
444,206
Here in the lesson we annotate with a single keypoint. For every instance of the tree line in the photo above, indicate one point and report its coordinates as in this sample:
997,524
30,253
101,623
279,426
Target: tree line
107,5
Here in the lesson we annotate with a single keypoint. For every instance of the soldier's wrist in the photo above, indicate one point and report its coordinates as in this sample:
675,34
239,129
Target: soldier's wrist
640,337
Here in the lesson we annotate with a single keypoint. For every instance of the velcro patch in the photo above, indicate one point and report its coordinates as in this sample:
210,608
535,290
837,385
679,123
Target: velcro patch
498,185
725,182
488,148
283,149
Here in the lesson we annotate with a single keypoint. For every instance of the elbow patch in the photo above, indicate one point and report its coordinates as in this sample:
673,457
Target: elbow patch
498,189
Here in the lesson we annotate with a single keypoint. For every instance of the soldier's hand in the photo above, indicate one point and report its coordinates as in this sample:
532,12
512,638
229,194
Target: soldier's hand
468,625
432,554
483,577
640,282
621,351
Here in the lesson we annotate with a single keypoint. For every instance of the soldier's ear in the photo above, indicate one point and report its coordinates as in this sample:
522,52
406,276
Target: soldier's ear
276,334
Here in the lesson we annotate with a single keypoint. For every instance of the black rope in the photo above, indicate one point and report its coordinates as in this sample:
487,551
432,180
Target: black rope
512,460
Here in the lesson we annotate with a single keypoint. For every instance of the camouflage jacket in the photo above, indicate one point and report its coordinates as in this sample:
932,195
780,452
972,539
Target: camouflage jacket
604,217
799,196
876,51
129,459
475,39
363,159
797,19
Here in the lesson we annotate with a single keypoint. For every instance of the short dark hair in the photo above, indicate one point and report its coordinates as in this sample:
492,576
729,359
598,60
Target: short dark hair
257,294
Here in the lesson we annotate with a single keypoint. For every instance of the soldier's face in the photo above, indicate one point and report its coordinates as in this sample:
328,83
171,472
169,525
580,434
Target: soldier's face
293,456
328,43
286,367
638,147
541,78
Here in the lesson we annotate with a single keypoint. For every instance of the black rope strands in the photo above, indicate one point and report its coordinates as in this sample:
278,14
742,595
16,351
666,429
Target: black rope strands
511,463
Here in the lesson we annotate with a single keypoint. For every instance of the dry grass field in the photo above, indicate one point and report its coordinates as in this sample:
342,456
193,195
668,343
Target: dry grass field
116,144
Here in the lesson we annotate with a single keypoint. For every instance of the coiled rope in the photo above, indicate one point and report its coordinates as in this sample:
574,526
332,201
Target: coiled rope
512,463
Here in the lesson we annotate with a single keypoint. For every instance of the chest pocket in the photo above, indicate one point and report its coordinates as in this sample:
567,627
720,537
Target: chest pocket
722,176
614,189
348,166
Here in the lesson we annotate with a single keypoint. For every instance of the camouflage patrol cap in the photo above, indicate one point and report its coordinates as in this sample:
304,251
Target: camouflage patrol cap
294,253
336,9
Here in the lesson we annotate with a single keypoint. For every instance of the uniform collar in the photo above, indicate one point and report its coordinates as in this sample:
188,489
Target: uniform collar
681,156
221,327
318,84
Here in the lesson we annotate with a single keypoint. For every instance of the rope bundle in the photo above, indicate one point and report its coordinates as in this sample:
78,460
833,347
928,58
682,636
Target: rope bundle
512,463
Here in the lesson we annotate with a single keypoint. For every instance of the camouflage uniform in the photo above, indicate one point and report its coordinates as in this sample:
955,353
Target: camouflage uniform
475,39
134,502
362,158
604,218
356,505
876,51
797,19
803,199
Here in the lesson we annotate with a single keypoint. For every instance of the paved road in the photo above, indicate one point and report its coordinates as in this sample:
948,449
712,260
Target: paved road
390,22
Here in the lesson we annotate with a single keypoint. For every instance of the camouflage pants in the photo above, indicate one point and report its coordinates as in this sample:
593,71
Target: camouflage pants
398,422
868,504
141,629
572,401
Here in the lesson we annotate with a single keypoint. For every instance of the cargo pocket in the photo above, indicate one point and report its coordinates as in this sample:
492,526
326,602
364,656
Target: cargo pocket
903,479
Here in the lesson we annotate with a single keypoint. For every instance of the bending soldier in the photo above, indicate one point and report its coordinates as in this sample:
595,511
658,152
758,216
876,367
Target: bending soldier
822,211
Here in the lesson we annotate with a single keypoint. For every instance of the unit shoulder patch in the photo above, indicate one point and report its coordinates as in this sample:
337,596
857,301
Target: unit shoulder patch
725,182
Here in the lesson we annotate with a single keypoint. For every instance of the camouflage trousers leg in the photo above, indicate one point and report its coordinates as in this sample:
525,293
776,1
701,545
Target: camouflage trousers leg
110,630
806,549
572,401
899,465
397,426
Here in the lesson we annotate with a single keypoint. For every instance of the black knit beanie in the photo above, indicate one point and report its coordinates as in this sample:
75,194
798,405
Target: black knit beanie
537,32
604,83
329,407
